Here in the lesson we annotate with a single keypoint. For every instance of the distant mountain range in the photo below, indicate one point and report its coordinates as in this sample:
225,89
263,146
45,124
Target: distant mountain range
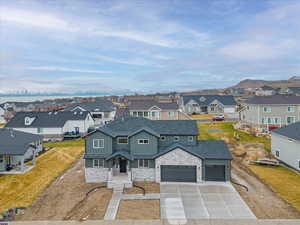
249,83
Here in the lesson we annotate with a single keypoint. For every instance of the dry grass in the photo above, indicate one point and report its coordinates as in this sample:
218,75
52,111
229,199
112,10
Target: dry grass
2,125
283,181
22,189
150,187
203,116
139,210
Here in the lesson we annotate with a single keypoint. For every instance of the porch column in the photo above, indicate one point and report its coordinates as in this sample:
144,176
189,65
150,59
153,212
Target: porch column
22,163
34,159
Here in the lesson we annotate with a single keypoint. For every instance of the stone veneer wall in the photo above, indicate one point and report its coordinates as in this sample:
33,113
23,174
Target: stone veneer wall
178,157
141,174
96,175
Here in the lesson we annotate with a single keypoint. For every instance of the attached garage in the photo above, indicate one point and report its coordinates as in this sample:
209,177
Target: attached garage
176,173
215,173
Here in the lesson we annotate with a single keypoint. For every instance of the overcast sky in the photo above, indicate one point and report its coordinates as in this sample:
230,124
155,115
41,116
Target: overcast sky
117,46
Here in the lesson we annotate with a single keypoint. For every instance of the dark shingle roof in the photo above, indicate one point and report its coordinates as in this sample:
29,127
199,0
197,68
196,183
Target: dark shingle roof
97,106
14,142
147,104
295,90
291,131
128,125
267,88
45,119
274,99
207,99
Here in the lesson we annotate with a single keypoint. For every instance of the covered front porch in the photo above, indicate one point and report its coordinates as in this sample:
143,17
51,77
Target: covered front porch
16,164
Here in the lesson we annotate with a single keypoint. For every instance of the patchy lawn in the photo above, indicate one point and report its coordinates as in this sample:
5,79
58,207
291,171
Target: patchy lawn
68,143
283,181
22,189
139,210
203,116
150,187
225,130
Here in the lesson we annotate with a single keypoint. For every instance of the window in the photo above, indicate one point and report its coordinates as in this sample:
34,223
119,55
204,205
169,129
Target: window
267,109
176,138
143,163
155,114
146,114
122,140
276,120
190,138
277,153
39,130
134,113
143,141
171,114
98,163
140,114
98,143
1,158
290,119
291,108
163,138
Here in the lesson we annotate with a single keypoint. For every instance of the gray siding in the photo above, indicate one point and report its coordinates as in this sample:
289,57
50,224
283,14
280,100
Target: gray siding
99,151
119,147
143,149
182,140
226,163
289,150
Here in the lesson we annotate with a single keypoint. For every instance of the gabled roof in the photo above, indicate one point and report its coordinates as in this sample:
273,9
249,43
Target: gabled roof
208,99
146,129
124,154
45,119
274,100
148,104
13,142
290,131
97,106
295,90
212,149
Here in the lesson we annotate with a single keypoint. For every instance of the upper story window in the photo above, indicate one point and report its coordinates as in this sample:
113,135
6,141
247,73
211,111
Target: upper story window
291,108
190,138
290,119
176,138
143,141
98,163
163,138
98,143
122,140
267,109
143,163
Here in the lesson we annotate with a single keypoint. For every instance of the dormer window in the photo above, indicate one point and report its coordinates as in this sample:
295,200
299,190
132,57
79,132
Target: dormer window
28,121
176,138
202,99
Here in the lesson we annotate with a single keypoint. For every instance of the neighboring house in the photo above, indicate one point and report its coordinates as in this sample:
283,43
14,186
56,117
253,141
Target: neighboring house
269,112
53,125
265,91
2,115
102,111
139,149
16,148
290,91
155,110
286,145
203,104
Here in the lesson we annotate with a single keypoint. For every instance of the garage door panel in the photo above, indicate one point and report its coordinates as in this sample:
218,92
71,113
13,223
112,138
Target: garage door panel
172,173
215,173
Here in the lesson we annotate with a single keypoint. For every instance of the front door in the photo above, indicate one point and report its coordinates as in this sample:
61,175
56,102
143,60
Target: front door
123,166
77,130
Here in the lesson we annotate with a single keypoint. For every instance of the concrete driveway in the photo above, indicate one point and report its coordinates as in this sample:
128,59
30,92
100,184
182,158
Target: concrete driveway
204,201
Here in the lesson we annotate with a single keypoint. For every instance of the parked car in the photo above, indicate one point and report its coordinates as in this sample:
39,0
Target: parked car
218,118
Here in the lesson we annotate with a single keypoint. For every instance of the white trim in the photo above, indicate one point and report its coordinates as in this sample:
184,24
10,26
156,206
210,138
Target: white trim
291,106
99,164
142,141
78,107
163,137
154,106
143,160
176,137
287,119
190,138
99,142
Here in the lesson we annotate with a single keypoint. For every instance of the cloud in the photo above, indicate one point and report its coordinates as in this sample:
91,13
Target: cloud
134,61
64,69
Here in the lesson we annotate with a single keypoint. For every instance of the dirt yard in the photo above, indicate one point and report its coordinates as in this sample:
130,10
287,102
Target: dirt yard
264,203
150,187
139,210
65,199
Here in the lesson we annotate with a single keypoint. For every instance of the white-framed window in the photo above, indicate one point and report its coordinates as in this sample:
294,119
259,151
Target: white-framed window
143,141
122,140
40,130
146,114
143,163
277,153
291,108
140,114
155,114
267,109
276,120
98,163
163,138
190,138
171,114
176,138
291,119
134,113
98,143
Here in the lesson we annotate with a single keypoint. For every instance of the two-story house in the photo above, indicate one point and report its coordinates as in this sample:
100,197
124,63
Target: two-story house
102,111
204,104
139,149
269,112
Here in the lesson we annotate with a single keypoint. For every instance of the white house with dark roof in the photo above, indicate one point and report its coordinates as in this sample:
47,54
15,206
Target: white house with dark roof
53,125
285,145
204,104
102,111
2,114
17,148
